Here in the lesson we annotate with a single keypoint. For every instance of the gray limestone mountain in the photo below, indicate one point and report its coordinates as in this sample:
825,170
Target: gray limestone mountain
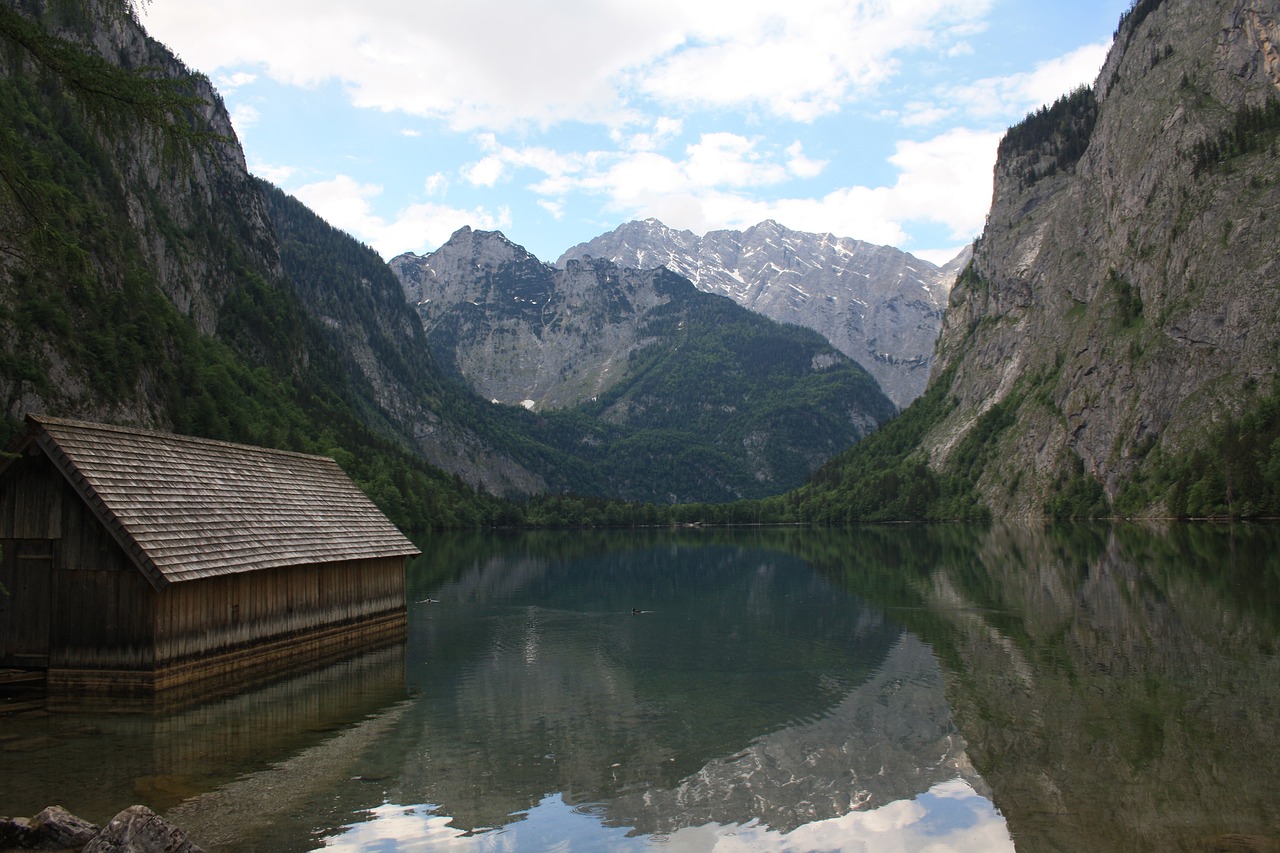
878,305
1121,309
519,332
675,394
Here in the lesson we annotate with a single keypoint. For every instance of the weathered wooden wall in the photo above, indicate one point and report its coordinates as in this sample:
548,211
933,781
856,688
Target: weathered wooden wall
199,617
103,608
31,493
30,522
26,571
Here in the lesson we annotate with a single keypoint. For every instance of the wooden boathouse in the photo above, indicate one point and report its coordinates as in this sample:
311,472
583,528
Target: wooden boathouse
135,561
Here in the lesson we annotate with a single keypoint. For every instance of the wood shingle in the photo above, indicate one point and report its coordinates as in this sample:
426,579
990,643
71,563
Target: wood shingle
185,508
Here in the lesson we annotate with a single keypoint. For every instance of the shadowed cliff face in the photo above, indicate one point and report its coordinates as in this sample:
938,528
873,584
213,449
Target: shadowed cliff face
1123,296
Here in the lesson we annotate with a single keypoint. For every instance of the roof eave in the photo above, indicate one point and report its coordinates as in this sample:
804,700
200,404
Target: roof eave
100,510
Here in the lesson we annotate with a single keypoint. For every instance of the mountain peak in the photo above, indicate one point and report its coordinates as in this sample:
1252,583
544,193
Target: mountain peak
876,304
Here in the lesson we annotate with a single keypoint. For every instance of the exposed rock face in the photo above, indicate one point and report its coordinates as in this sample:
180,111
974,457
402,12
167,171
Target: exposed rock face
142,201
889,739
1124,293
880,306
138,829
522,332
676,395
185,216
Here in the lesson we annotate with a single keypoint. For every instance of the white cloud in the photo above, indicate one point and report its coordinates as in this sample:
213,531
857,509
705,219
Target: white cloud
244,117
435,184
1009,98
800,165
276,174
579,59
921,114
945,180
800,61
229,83
347,204
727,159
484,173
662,130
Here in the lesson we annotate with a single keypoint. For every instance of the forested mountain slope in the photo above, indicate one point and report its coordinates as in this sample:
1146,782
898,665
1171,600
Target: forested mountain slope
142,281
1113,345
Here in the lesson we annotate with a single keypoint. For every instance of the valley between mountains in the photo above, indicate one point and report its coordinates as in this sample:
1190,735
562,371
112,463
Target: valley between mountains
1107,346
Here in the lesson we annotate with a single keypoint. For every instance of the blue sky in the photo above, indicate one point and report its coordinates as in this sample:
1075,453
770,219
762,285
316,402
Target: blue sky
400,121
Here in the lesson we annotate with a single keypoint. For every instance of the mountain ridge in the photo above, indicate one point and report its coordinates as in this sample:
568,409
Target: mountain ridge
878,305
726,402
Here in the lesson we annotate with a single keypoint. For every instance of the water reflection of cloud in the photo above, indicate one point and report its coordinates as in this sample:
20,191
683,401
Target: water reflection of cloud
951,816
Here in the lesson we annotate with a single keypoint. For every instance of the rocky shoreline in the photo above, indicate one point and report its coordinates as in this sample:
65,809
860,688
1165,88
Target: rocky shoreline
136,829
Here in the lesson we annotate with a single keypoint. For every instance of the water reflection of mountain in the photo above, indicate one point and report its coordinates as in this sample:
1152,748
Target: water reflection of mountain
1117,687
538,678
891,738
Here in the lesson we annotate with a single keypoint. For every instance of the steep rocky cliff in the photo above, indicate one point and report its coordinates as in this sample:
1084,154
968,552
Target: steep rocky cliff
147,278
1121,309
521,332
91,196
880,306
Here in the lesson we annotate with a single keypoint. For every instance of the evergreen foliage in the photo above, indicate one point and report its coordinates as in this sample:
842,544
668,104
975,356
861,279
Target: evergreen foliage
79,296
886,477
1136,14
1128,300
1236,473
1077,495
1252,129
1055,136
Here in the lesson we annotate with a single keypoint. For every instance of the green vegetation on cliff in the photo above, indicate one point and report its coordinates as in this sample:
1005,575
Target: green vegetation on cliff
88,329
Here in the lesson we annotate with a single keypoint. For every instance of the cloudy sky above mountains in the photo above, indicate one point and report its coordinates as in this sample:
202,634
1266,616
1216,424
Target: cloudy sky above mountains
400,121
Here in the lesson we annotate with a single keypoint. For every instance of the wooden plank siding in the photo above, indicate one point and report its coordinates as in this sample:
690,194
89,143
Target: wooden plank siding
197,679
26,572
233,610
30,499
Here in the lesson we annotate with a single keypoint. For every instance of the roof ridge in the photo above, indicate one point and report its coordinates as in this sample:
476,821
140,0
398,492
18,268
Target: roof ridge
43,420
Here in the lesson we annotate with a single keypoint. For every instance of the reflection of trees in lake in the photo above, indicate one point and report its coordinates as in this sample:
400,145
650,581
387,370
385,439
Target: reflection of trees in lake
1118,686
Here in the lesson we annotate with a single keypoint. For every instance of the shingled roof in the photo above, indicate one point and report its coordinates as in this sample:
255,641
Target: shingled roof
186,508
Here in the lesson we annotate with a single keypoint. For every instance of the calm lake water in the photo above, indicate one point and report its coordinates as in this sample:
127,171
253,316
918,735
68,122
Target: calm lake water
892,688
